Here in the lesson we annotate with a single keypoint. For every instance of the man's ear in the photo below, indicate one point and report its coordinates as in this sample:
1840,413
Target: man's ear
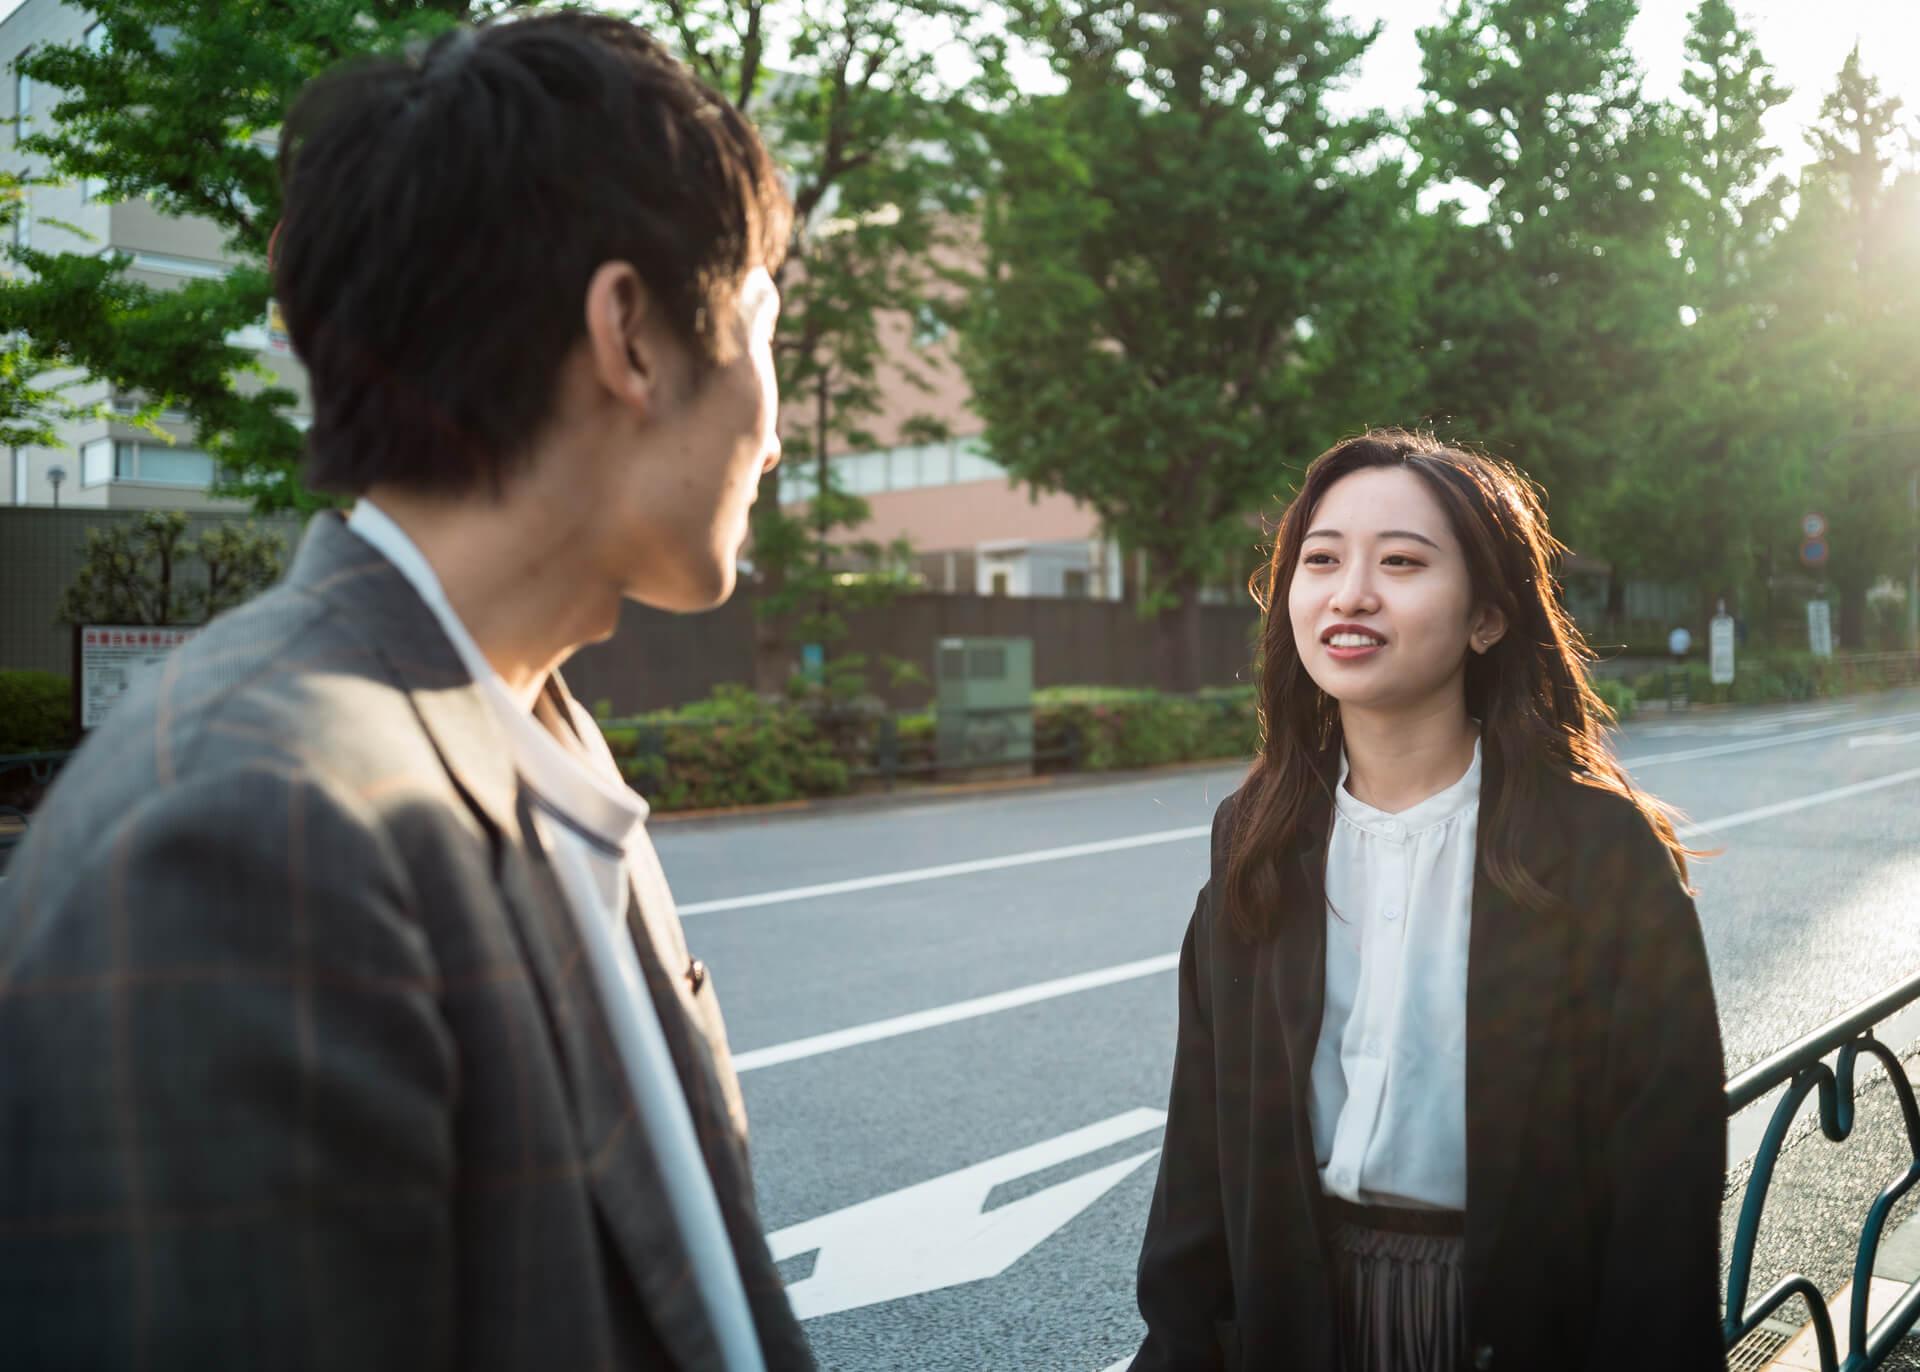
621,337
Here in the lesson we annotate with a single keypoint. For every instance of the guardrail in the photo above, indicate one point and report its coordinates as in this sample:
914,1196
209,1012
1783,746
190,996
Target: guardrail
40,768
1803,1069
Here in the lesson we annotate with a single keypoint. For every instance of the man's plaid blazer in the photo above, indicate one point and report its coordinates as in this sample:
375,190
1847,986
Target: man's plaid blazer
300,1065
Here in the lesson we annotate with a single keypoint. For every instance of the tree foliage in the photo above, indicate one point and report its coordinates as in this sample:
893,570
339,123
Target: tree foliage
1194,277
177,102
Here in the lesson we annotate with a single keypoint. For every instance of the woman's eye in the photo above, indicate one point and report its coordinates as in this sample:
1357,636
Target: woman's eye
1317,560
1400,560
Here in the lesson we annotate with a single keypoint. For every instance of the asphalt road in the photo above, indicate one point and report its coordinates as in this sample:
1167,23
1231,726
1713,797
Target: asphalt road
954,1056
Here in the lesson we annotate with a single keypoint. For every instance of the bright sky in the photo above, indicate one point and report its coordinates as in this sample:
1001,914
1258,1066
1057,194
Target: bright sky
1806,40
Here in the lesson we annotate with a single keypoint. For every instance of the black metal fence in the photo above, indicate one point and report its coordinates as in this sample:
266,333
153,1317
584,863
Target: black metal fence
1803,1069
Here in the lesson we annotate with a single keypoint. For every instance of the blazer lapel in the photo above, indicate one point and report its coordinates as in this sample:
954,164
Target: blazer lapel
615,1154
1299,959
1516,965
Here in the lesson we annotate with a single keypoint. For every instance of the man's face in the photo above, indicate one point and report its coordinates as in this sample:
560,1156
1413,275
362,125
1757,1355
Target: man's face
687,504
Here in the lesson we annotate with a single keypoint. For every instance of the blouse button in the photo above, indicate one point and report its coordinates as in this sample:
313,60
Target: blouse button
1392,827
1392,915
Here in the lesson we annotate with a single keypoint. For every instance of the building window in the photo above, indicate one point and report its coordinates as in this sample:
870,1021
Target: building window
1076,585
1002,583
158,464
928,327
96,462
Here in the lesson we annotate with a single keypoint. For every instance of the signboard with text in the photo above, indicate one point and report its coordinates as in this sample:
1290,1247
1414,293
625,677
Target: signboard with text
1820,628
112,659
1720,650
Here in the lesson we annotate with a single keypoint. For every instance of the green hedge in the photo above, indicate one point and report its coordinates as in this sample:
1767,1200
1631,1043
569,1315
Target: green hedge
1114,729
1776,677
731,749
36,712
1617,695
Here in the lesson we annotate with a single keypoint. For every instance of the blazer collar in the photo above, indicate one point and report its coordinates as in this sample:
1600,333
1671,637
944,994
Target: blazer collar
376,601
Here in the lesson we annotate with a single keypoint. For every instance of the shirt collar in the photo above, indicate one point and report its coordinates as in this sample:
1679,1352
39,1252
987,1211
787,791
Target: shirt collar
1435,810
586,792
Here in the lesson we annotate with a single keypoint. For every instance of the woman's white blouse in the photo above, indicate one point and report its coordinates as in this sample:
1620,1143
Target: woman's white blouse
1389,1092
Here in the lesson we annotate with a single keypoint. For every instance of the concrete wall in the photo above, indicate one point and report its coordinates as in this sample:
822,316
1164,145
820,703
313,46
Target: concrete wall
41,551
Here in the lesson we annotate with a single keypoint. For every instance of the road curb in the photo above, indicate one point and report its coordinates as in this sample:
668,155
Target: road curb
904,800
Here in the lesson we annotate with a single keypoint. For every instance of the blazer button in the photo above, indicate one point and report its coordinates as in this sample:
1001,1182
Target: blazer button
1483,1357
696,975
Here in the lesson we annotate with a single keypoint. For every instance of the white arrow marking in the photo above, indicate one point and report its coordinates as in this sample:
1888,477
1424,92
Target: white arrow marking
1881,740
933,1235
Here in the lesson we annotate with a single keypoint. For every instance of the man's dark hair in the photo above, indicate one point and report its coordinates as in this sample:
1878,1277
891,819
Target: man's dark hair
444,212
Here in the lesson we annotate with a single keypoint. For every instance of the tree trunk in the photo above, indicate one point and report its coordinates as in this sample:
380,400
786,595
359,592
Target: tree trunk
1178,640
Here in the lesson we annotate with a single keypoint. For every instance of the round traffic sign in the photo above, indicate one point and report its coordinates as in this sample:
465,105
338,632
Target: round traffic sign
1813,525
1814,552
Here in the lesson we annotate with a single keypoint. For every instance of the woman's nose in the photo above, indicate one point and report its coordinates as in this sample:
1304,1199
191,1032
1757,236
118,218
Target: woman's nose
1354,591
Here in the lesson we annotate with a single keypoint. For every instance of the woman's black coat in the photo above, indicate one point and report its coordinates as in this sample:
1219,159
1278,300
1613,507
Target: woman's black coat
1596,1134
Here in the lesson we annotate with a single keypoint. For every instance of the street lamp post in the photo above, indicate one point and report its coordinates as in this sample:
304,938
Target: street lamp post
55,477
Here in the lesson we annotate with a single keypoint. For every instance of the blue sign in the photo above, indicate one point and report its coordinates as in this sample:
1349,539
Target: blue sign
1814,552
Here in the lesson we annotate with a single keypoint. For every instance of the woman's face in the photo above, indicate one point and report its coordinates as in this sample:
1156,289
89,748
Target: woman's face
1381,602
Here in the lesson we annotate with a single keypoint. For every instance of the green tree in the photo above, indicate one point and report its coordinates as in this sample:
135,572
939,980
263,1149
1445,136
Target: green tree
1555,316
32,398
862,119
1709,497
1195,276
177,101
149,571
1847,279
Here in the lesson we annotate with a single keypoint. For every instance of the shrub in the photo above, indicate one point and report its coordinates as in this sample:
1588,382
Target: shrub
730,749
1110,729
36,712
1617,695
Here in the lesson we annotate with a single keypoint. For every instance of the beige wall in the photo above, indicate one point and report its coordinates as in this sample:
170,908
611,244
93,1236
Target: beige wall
937,518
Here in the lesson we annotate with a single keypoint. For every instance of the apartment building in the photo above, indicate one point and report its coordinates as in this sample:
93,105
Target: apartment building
972,528
107,462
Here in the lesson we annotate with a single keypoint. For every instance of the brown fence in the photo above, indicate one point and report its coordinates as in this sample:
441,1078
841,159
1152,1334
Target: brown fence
658,660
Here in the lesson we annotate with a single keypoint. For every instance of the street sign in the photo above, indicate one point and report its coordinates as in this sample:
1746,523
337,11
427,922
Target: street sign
939,1233
1814,526
1813,552
1820,628
1720,650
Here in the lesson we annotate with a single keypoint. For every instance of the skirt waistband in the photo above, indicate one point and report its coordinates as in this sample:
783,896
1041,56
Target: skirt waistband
1395,1219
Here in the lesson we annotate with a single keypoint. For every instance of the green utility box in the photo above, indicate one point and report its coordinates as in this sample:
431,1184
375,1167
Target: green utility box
985,705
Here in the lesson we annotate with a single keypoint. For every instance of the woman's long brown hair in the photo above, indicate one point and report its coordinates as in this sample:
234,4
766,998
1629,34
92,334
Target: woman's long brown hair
1531,690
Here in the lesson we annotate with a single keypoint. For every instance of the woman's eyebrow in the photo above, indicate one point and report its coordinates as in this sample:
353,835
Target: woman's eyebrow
1384,533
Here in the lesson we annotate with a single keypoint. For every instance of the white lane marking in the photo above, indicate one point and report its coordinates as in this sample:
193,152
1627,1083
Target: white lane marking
1754,745
950,869
951,1014
878,1030
1881,740
933,1235
1807,802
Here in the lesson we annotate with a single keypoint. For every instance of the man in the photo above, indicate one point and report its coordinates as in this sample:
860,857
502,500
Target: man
345,1018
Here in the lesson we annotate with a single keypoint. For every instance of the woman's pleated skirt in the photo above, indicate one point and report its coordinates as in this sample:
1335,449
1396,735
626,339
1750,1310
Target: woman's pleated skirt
1398,1286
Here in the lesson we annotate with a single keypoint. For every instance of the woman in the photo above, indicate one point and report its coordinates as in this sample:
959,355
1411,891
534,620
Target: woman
1446,1092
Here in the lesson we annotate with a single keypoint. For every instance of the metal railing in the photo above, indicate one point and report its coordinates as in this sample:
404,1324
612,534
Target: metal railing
40,769
1802,1068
